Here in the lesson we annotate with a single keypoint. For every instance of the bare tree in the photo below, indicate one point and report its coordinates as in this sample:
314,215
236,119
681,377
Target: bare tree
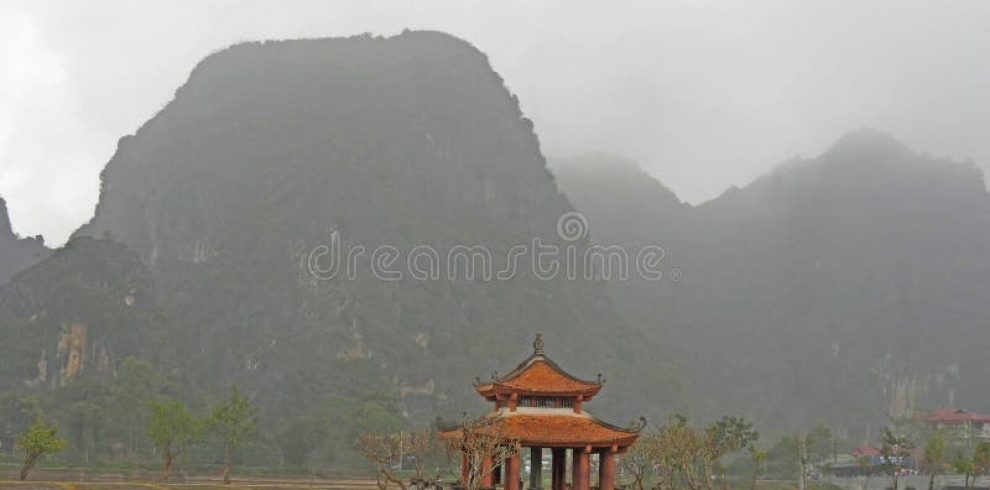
638,462
486,445
432,456
694,453
383,451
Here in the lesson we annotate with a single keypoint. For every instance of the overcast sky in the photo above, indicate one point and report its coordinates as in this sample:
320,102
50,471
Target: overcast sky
704,94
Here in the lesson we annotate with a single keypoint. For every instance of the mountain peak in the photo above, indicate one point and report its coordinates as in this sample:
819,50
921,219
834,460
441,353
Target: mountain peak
613,170
867,144
5,228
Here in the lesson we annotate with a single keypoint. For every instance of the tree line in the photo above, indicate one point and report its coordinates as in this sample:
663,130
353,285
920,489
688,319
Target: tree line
139,418
171,427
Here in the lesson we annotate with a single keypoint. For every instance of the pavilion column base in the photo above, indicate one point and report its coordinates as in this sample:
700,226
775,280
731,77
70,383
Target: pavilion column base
513,465
581,467
488,473
559,469
606,469
535,468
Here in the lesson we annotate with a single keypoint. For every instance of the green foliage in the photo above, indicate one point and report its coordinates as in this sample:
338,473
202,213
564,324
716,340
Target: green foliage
40,440
782,458
963,465
336,421
172,424
895,450
299,438
731,434
170,427
819,443
234,420
935,452
981,458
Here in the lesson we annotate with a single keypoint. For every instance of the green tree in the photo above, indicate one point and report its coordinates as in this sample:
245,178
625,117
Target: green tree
758,458
136,384
170,427
300,438
86,421
727,435
981,459
234,421
782,458
819,444
963,466
39,441
935,448
895,452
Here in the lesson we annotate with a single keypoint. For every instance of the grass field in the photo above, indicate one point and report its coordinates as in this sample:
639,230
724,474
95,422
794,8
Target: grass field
65,479
254,484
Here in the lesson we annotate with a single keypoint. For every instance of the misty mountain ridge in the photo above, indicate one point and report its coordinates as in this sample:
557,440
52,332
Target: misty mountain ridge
16,253
822,279
267,148
859,271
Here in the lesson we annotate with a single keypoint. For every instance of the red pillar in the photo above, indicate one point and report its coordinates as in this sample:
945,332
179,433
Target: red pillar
465,469
487,473
535,467
558,467
581,466
606,469
512,467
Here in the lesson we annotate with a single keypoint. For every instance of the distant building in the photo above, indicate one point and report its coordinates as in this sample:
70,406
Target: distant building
958,423
869,452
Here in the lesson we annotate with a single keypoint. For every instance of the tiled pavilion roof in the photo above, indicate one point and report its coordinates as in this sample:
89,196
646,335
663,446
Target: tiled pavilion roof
538,375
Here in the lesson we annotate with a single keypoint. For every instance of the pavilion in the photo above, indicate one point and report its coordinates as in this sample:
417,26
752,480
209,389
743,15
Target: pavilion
541,406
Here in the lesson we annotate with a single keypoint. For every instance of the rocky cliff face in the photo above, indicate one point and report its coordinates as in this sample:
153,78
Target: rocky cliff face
16,253
844,287
77,314
269,148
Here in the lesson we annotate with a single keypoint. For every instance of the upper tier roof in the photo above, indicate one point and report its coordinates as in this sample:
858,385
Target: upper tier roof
536,376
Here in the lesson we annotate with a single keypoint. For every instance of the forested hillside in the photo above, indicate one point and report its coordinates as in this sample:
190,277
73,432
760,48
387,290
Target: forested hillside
197,260
844,288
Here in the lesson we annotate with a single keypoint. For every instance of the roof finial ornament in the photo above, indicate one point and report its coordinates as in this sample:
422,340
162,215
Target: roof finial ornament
495,375
538,345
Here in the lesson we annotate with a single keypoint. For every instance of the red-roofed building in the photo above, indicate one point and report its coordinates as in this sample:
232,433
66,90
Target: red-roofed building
867,451
541,406
958,422
871,454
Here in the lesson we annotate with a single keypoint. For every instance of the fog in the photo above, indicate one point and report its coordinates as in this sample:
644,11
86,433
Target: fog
704,94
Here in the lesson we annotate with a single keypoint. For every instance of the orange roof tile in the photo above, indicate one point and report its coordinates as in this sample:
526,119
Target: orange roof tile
542,375
560,430
539,375
564,430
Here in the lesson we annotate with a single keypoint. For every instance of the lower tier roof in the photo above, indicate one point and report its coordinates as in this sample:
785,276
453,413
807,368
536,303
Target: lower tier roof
559,428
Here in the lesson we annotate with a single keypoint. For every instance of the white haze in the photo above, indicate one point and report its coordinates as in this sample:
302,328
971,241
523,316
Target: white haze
705,94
